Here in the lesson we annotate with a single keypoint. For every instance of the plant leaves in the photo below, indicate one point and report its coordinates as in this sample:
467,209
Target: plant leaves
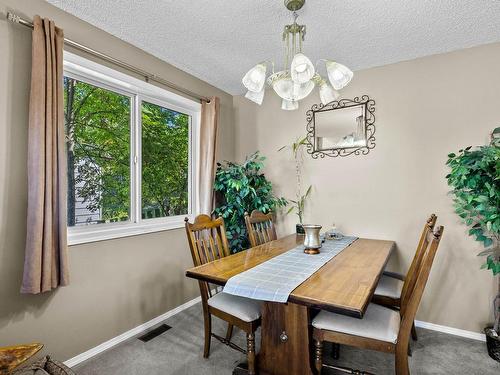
243,187
475,182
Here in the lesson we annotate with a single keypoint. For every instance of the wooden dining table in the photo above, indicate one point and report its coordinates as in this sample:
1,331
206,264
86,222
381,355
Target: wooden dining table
344,285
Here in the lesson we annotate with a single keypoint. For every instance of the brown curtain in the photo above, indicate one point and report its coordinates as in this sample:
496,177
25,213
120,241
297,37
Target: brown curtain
46,260
208,145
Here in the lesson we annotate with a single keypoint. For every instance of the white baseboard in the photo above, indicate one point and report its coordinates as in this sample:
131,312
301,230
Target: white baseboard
129,334
451,330
155,321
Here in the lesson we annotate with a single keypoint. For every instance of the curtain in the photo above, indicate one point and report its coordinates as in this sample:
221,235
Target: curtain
208,145
46,259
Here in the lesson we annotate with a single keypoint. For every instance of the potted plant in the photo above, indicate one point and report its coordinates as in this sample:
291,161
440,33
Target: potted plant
475,180
297,149
239,188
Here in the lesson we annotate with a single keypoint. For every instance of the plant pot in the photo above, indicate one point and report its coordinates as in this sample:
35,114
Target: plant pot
299,229
492,343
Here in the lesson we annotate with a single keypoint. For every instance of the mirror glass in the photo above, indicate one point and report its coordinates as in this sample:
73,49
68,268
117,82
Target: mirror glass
342,128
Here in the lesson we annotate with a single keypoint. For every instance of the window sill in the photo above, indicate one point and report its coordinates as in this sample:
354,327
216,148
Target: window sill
102,232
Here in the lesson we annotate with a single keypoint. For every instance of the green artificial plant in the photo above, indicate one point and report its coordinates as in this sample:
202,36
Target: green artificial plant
239,188
298,204
475,180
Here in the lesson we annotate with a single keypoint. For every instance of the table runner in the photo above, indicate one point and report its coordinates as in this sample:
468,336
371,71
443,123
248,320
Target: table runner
276,278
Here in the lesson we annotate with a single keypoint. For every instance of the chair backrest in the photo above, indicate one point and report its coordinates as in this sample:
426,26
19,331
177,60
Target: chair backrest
207,242
260,227
411,275
410,306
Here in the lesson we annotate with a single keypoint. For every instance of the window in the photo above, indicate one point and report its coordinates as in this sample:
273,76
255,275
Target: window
131,153
165,161
98,147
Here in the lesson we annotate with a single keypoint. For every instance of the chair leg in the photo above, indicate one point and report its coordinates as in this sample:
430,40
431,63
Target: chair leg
229,333
207,319
251,353
414,332
318,356
402,367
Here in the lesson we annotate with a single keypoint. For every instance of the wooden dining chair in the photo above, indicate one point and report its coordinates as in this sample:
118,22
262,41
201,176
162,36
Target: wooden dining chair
208,242
393,285
260,227
382,328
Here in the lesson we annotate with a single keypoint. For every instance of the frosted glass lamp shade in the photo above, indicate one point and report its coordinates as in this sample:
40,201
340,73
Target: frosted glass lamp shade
302,69
299,92
289,90
284,87
327,94
338,74
255,78
288,105
256,97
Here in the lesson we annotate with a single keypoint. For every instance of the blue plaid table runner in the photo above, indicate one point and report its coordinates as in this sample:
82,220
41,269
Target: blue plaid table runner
276,278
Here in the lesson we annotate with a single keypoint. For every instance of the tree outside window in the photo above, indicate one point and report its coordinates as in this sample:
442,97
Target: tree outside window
99,125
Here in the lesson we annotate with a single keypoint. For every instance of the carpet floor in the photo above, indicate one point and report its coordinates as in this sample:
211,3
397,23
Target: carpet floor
178,351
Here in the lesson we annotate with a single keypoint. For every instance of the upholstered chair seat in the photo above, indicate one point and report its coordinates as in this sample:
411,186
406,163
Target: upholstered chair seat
378,323
389,287
245,309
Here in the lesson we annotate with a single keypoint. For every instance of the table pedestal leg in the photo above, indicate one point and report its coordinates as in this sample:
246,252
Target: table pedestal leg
285,336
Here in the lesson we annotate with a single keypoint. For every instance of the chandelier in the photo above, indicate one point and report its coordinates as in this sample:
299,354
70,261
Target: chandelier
299,76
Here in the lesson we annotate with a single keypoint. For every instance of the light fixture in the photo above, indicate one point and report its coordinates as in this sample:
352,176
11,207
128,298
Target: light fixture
302,69
288,105
338,74
299,76
255,78
256,97
326,93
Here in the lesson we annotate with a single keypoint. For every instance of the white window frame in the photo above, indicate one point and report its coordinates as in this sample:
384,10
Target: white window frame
102,76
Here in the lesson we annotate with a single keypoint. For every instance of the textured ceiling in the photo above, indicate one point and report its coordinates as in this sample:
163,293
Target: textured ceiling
218,41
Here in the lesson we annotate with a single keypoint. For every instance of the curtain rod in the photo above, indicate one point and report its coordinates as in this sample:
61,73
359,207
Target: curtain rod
147,76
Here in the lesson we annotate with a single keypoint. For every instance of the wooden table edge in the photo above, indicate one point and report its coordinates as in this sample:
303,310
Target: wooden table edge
211,279
374,287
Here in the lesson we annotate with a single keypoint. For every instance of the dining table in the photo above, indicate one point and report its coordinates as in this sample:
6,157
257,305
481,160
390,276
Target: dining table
343,285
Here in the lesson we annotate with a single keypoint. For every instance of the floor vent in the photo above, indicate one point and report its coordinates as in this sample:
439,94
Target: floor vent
154,332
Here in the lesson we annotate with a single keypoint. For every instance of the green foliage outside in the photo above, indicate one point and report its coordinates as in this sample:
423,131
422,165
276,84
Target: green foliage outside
165,160
98,141
475,180
239,188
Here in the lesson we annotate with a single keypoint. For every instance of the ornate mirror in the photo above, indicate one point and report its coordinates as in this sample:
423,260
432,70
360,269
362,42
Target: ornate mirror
341,128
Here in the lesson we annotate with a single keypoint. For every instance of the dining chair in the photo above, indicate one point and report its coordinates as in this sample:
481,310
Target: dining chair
382,328
208,242
393,285
260,227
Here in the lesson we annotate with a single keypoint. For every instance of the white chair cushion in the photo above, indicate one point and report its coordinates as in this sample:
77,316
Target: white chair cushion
245,309
378,323
389,287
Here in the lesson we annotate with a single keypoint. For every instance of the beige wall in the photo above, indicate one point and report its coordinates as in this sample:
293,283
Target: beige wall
425,109
115,285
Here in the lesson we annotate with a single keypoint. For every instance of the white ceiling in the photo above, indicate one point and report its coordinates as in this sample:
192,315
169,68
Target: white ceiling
218,41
